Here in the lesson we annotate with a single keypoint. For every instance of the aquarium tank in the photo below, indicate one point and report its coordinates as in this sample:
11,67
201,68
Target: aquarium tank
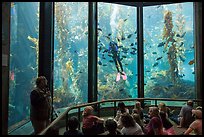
116,26
169,51
23,59
169,65
70,54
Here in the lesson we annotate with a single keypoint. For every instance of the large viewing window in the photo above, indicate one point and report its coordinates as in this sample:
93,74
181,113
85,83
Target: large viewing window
70,54
23,58
117,24
169,51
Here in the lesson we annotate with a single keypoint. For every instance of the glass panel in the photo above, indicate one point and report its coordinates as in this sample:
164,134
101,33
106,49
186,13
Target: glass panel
23,58
117,26
169,51
70,54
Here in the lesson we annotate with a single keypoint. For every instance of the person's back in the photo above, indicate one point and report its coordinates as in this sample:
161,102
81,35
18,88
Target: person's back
168,126
185,115
130,127
111,127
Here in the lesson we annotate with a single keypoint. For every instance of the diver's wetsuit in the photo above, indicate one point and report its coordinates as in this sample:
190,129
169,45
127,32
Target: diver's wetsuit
113,48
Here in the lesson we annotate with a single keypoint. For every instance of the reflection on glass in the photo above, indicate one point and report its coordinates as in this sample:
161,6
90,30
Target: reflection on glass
70,54
169,51
23,58
117,51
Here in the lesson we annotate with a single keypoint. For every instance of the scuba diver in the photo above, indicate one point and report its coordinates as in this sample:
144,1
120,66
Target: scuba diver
113,49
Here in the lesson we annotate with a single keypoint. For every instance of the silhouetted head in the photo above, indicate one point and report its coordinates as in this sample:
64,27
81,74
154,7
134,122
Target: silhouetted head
73,123
41,82
127,120
121,106
190,103
111,125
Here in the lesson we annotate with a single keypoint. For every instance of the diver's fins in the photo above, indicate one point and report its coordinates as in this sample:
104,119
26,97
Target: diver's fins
124,76
118,77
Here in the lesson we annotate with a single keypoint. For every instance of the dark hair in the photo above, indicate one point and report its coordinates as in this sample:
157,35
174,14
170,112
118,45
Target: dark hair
73,123
52,131
121,107
111,125
162,115
39,80
127,120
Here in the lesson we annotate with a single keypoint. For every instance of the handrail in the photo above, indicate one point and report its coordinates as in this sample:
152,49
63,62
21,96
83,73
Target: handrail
65,113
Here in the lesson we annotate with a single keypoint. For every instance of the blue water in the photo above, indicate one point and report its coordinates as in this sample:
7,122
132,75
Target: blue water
71,54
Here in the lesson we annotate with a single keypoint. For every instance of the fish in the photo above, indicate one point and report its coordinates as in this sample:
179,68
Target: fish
191,62
110,60
133,52
155,64
147,71
181,44
110,55
99,62
158,6
99,29
109,34
107,37
104,64
134,48
118,39
123,36
132,44
159,58
129,36
193,72
161,44
154,52
106,50
181,75
125,20
182,58
181,36
124,56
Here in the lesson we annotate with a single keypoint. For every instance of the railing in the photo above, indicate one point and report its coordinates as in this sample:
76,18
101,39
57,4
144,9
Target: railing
66,112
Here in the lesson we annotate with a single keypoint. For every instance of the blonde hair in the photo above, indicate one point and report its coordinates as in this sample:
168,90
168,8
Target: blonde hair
154,110
87,111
